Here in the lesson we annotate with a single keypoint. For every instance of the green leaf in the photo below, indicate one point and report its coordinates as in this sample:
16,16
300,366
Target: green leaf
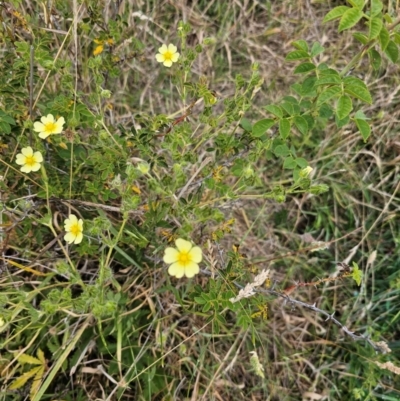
316,49
357,3
375,26
392,51
335,13
375,58
350,18
384,38
282,150
275,110
301,162
376,7
289,163
307,88
360,37
360,115
5,127
301,124
356,274
297,55
246,124
356,88
310,121
329,80
364,129
344,107
200,300
304,68
342,123
284,128
288,107
396,38
260,127
300,45
325,111
328,94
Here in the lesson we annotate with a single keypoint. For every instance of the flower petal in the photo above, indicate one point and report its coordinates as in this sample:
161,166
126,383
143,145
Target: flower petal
69,237
183,245
38,157
167,63
28,151
175,57
38,127
176,270
35,167
196,254
44,135
172,48
47,119
26,168
160,57
171,255
163,49
20,159
78,238
191,269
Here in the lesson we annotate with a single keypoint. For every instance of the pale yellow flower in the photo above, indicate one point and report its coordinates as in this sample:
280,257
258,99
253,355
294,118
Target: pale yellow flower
29,160
167,55
48,126
74,229
183,260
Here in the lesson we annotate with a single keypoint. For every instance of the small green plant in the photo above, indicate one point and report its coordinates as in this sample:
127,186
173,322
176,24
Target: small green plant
96,189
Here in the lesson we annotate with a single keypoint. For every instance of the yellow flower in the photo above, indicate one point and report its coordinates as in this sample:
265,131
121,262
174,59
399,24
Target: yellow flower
74,229
183,260
48,126
167,55
28,160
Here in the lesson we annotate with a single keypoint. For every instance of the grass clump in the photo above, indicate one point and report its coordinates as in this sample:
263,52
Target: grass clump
137,136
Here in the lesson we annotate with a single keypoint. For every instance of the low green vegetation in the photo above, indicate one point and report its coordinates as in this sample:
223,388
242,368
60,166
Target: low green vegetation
200,200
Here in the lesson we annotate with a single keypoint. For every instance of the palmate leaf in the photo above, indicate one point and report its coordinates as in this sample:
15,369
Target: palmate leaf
344,107
364,128
335,13
20,381
375,26
392,51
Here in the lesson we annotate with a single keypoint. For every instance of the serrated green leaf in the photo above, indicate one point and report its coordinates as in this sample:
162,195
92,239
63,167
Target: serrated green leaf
359,93
297,55
316,49
360,115
328,94
360,37
329,80
342,123
5,127
288,107
350,18
375,58
376,7
275,110
284,128
335,13
308,85
357,3
384,37
310,121
8,119
260,127
289,163
392,51
364,129
20,381
24,358
356,274
350,80
282,150
301,124
300,45
375,26
325,111
301,162
304,68
344,107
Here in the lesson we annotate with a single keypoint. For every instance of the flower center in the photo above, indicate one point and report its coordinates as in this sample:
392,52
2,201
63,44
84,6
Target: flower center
184,258
50,127
168,55
30,160
75,229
